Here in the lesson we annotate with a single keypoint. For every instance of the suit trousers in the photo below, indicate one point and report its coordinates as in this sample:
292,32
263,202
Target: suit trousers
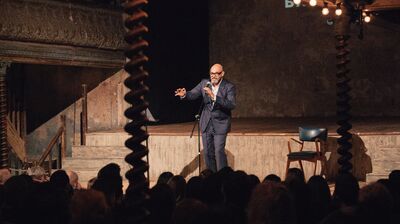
214,148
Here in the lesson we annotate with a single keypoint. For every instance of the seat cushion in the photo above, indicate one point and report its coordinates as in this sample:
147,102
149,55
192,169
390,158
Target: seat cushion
302,155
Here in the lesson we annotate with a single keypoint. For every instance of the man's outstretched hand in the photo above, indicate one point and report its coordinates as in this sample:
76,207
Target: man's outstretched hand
181,92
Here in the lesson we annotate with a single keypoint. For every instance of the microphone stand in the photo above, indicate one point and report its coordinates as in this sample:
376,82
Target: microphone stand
197,122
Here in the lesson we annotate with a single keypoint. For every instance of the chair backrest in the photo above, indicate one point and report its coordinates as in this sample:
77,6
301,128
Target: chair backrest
310,134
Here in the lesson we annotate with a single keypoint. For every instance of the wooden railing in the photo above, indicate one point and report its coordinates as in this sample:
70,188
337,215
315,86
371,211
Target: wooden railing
15,141
48,154
84,115
16,125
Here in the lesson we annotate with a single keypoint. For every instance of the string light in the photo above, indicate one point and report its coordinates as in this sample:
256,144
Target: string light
338,10
367,19
325,10
297,2
357,13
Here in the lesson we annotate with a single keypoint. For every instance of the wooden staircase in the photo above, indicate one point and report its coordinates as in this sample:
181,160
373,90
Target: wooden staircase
100,149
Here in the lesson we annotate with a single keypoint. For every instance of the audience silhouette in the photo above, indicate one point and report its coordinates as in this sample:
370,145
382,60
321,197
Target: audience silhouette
227,196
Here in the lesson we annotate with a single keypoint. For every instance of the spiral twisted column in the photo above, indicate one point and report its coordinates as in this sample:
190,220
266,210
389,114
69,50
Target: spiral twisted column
3,115
138,183
343,90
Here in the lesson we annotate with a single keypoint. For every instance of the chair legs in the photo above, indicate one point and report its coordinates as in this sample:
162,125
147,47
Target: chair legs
323,162
287,167
315,166
323,166
301,166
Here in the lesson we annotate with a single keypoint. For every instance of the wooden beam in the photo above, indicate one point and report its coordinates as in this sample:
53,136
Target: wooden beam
379,5
51,54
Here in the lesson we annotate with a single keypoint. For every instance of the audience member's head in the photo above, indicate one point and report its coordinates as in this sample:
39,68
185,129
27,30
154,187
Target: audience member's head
298,188
319,197
319,188
346,190
177,184
253,181
5,174
110,171
74,180
190,211
273,178
236,189
164,177
271,202
212,190
89,207
161,204
91,182
109,181
59,179
194,188
37,173
394,184
17,195
16,188
394,177
376,203
294,174
225,171
206,173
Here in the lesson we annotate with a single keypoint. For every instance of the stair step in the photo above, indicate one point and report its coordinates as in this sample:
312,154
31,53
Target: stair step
373,177
92,164
106,138
88,168
100,151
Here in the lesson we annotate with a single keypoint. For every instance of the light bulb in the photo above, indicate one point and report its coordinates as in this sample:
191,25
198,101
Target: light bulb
364,14
297,2
325,11
338,11
313,3
367,19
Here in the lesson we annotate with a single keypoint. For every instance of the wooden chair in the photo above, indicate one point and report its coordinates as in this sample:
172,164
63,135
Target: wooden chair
316,135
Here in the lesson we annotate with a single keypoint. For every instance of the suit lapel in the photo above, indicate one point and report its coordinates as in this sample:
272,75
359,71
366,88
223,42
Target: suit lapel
221,88
205,96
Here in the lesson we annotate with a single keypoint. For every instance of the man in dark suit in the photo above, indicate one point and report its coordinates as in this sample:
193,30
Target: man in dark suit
219,99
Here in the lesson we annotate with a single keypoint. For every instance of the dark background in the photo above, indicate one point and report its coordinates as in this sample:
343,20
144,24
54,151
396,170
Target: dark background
178,56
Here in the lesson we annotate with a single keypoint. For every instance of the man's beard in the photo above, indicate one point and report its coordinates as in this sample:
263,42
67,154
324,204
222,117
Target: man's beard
215,81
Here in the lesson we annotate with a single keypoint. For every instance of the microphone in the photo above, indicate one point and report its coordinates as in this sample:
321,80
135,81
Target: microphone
209,85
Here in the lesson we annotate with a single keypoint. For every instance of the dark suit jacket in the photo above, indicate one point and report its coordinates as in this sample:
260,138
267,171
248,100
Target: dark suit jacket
220,113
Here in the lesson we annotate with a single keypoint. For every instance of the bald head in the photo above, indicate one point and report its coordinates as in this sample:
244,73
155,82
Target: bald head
73,179
217,67
216,74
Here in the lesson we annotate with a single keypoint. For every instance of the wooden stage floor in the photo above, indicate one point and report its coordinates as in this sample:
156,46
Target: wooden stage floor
289,126
259,146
